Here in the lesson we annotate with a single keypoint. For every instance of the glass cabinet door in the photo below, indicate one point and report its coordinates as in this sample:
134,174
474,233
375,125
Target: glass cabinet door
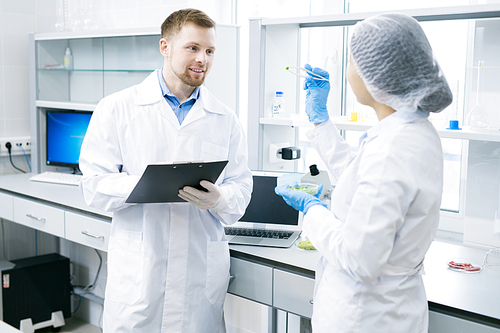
129,60
97,67
80,81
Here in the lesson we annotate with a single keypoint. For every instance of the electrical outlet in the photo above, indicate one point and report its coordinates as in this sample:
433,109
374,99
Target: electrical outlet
23,141
274,148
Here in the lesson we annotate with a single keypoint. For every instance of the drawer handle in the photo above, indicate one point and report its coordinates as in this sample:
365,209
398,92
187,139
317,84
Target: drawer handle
311,301
231,278
92,235
41,219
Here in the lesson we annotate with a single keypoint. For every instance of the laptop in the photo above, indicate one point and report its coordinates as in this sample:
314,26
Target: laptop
268,219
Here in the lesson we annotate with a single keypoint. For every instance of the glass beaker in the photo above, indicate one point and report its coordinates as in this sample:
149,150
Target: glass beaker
492,259
478,116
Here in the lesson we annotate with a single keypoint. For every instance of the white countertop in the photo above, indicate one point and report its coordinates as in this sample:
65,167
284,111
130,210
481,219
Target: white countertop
477,293
59,194
474,292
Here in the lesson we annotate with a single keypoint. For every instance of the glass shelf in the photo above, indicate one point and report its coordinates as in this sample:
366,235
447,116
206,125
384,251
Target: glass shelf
343,124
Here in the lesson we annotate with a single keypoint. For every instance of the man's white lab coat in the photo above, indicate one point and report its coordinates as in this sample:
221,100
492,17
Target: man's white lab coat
383,218
168,264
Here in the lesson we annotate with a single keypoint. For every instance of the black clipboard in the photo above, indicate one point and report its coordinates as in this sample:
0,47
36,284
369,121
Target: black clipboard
162,182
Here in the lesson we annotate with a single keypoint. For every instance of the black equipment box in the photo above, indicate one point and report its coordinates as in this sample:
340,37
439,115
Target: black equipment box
34,288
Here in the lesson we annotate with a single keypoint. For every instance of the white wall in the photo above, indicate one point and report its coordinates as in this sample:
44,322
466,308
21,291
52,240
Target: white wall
17,19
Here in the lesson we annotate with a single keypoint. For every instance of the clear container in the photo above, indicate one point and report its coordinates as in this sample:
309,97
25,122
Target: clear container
305,187
279,105
478,116
68,59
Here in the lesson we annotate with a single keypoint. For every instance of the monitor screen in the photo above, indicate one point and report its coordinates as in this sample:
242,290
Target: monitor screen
266,206
65,133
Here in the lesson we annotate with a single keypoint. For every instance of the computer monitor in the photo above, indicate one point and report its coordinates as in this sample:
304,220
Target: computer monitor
64,136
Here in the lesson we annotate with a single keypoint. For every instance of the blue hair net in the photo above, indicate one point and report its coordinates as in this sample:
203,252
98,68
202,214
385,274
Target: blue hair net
394,59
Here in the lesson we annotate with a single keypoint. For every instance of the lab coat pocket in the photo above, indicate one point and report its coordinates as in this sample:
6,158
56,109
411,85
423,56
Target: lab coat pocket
213,152
217,271
125,267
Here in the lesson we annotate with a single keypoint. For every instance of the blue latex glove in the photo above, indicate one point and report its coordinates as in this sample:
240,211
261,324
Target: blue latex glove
316,95
300,200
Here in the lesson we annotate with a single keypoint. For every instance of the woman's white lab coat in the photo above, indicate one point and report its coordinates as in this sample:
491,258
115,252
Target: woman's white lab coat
168,264
384,215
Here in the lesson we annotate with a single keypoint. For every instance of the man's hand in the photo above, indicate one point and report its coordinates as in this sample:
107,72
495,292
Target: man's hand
202,199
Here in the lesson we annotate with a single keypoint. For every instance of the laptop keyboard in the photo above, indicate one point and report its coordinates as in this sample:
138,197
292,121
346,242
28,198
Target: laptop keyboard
262,233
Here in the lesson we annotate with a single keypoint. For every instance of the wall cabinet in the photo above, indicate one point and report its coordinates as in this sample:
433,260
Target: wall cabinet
105,63
471,158
278,43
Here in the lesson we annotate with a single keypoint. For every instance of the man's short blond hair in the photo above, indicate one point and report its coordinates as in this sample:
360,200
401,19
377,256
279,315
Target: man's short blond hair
175,21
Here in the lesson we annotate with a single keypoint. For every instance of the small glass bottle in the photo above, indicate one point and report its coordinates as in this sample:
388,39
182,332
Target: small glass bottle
279,105
68,59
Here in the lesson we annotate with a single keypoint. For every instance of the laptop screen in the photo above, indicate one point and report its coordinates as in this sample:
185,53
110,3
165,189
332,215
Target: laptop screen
266,206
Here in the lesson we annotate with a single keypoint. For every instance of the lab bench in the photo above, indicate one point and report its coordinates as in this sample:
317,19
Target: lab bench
280,278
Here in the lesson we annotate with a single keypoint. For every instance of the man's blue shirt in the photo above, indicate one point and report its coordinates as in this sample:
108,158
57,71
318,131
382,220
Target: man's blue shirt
180,110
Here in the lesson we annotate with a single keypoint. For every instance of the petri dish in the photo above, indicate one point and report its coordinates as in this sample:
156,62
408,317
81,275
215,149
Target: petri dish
464,265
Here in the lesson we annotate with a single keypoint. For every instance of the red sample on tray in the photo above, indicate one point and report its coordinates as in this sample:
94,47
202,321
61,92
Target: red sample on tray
463,265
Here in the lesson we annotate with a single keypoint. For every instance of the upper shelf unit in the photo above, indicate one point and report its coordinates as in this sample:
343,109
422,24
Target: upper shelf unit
275,43
104,62
425,14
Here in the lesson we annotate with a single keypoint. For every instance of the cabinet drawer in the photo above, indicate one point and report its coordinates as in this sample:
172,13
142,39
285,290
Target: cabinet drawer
442,323
293,293
87,230
39,216
6,207
251,281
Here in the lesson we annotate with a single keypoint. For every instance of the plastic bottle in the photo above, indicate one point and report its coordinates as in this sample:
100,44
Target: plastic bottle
68,59
279,105
315,176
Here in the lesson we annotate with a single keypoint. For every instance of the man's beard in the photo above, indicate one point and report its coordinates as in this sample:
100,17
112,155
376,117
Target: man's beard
188,80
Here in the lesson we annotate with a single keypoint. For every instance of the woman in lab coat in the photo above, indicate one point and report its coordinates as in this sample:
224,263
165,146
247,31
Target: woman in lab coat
385,207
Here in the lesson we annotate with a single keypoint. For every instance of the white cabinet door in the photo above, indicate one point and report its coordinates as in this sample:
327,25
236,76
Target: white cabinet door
293,293
42,217
441,323
86,230
6,207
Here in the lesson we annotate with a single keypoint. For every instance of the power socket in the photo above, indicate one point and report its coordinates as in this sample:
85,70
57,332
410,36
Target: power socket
24,142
